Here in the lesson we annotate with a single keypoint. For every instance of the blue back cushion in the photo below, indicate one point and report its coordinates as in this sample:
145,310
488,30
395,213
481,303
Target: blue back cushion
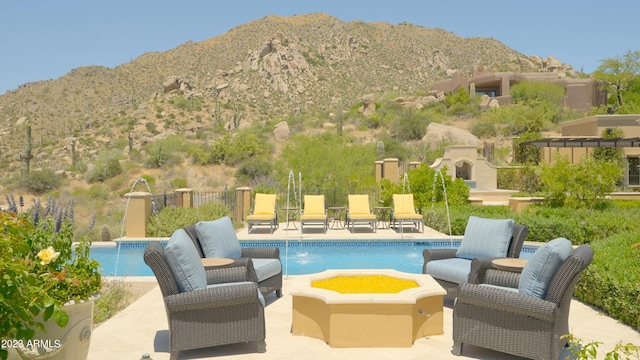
542,266
486,238
185,262
218,238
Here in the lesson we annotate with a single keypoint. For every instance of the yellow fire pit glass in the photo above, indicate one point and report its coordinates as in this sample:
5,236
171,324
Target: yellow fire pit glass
365,284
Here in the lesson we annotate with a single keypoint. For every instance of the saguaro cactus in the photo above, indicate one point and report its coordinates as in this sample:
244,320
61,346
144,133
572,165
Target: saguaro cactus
339,115
472,93
380,150
25,156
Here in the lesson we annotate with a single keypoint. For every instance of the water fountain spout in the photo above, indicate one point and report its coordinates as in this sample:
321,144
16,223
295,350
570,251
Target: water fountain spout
124,219
446,200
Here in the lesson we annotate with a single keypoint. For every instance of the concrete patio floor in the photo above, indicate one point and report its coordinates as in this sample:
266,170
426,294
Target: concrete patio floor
142,327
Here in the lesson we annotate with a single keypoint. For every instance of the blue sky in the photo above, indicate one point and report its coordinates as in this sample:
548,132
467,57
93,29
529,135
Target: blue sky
45,39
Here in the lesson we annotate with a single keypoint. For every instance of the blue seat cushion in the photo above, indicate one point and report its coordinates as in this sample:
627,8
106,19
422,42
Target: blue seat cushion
185,262
486,238
455,270
266,268
218,238
260,297
542,266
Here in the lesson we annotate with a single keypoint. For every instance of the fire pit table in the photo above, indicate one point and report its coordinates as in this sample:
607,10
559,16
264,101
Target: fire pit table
363,313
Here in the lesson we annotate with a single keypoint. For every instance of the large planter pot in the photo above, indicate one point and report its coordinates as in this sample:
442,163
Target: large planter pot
56,343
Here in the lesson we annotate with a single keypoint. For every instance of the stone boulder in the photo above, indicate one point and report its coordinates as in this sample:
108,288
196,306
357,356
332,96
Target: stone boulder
281,131
176,83
437,133
368,105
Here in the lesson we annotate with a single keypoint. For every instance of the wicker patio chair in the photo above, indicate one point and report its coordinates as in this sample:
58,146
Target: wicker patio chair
263,263
464,269
513,322
227,310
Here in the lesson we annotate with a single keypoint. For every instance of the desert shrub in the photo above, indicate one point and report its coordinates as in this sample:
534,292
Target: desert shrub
394,148
179,183
98,192
436,217
230,150
578,185
106,166
192,103
327,162
411,125
253,168
172,218
41,181
545,97
151,128
524,179
105,233
164,152
581,226
484,130
113,298
526,154
608,282
426,187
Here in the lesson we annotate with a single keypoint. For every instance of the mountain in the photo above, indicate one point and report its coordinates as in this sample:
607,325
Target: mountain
267,69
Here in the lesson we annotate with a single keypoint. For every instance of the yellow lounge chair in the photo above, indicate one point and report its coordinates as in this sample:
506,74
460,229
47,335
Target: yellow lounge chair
359,212
264,212
404,212
314,212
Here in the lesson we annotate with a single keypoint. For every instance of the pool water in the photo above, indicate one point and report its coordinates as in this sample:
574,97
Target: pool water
302,257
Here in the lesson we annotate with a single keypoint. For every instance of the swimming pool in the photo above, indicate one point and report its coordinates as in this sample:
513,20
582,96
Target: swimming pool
302,257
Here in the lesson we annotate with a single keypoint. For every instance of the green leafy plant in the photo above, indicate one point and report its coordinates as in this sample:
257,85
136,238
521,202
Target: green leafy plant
579,185
172,218
41,270
40,182
589,350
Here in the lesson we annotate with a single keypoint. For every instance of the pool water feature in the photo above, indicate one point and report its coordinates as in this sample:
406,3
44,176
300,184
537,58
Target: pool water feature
304,257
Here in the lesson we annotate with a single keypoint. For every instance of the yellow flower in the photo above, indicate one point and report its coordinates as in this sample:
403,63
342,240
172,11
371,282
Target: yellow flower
48,255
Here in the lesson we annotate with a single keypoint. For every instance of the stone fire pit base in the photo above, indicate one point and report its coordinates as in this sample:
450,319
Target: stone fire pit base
368,320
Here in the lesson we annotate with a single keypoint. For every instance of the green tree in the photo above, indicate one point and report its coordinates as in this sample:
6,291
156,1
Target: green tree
618,74
526,154
327,162
579,185
427,187
105,166
41,181
614,155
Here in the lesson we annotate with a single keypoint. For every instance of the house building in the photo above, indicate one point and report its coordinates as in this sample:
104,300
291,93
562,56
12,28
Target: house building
579,138
581,94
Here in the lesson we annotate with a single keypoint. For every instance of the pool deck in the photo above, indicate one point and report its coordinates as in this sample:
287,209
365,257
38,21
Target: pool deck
142,327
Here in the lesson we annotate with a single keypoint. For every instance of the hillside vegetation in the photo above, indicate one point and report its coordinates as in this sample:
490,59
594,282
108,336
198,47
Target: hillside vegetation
195,115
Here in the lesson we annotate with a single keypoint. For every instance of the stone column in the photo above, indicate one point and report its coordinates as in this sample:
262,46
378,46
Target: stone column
184,197
377,166
243,202
414,165
138,212
391,170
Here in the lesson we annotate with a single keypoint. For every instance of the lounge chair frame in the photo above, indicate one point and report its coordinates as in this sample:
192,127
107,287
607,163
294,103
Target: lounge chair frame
309,216
270,220
354,218
409,215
